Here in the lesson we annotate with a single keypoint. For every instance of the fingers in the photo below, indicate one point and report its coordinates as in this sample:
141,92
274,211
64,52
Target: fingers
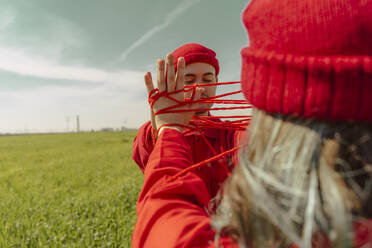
160,75
148,82
180,78
198,92
150,86
171,75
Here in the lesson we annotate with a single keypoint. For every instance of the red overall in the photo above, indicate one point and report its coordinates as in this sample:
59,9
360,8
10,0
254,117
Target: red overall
172,213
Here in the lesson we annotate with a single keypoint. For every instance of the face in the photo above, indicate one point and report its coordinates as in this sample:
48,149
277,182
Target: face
201,73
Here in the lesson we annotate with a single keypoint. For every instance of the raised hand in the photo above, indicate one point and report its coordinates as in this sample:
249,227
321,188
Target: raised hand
174,82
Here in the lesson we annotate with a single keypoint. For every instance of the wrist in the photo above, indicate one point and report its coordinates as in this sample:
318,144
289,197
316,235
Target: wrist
161,129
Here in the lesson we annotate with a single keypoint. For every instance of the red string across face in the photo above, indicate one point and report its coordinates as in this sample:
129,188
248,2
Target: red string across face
200,123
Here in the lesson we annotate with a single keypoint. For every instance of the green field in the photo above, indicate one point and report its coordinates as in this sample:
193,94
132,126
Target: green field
68,190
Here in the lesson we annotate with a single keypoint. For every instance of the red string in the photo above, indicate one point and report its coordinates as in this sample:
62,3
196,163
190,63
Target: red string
226,116
208,144
165,111
204,162
200,123
173,109
213,84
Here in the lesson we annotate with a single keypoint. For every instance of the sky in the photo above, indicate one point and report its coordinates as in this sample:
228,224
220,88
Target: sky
60,59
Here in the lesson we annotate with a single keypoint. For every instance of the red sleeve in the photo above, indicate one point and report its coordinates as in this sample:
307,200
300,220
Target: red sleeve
171,212
143,145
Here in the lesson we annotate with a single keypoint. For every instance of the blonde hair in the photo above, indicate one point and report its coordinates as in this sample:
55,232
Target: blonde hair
297,177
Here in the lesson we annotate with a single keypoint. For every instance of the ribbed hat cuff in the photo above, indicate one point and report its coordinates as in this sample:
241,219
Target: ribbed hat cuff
325,87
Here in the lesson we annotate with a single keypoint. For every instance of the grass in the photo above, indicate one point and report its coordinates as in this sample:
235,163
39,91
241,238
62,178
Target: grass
68,190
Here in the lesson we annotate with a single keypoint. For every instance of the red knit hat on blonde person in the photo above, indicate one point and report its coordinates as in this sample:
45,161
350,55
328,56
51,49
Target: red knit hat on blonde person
309,58
194,53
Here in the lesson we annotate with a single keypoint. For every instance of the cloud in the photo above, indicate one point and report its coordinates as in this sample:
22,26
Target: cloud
45,108
37,54
179,10
7,17
27,64
38,32
101,97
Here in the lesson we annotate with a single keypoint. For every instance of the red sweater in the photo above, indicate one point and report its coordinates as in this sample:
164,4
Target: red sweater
213,174
172,212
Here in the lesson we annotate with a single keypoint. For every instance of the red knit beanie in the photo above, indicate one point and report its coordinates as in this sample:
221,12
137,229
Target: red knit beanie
193,53
309,58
